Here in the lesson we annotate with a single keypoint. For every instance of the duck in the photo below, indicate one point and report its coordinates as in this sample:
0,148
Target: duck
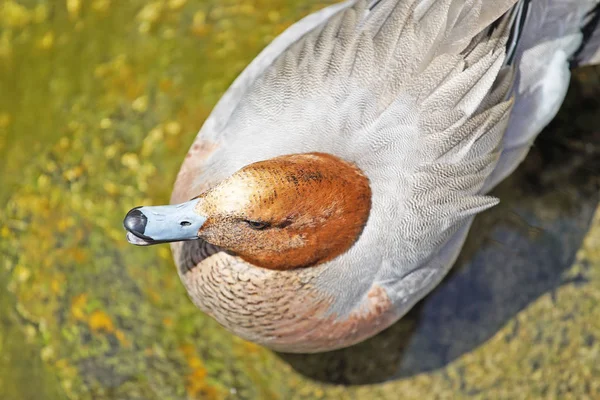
333,185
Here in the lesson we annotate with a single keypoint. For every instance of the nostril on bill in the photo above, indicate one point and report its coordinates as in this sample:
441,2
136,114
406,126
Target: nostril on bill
185,223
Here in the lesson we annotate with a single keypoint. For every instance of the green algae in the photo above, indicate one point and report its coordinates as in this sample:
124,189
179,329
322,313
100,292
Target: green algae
99,101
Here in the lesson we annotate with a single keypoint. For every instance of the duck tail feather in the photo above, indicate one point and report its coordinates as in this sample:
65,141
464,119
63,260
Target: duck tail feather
549,41
588,52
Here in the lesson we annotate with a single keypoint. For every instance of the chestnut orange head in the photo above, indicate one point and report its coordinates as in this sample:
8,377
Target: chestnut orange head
287,212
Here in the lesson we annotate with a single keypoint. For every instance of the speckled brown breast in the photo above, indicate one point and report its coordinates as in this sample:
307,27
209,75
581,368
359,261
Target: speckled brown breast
283,310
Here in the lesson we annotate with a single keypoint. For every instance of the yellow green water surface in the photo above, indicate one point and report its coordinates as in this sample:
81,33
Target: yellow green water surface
99,102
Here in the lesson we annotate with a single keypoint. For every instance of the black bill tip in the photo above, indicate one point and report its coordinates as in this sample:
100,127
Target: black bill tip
135,222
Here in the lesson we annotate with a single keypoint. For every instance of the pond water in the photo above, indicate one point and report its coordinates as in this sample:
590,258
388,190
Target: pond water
99,102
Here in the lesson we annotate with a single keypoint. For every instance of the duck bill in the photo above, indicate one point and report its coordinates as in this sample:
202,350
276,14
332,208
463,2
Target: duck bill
163,224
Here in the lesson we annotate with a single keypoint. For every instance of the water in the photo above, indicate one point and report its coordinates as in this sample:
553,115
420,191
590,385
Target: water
99,101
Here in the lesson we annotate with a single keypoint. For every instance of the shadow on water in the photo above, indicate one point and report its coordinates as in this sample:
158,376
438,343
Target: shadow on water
515,253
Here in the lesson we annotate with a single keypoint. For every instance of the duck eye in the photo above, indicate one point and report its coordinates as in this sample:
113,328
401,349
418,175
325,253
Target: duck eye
256,225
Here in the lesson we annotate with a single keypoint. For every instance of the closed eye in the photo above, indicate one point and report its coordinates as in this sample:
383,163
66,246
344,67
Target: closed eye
257,225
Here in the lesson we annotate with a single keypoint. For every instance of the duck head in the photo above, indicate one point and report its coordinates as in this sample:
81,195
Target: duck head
287,212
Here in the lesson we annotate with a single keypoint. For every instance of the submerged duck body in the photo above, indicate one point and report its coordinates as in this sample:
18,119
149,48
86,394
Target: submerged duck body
333,185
